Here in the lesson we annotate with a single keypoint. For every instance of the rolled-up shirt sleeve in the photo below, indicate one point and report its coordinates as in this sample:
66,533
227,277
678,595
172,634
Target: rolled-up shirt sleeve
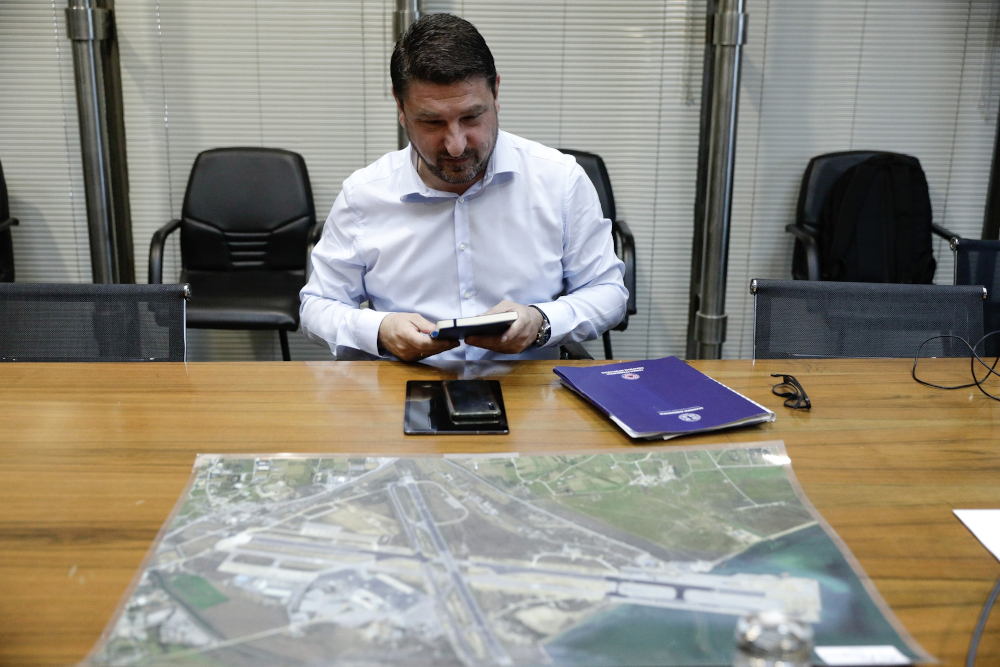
330,302
594,297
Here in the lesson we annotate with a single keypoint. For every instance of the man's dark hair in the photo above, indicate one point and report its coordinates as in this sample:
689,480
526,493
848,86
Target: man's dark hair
440,48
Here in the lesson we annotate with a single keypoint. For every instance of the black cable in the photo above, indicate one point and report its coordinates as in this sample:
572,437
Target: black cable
976,382
970,660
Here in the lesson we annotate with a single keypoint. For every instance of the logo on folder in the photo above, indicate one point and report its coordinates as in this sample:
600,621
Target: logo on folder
684,414
625,373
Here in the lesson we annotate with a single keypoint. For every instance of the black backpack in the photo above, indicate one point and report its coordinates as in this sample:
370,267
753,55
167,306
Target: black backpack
876,224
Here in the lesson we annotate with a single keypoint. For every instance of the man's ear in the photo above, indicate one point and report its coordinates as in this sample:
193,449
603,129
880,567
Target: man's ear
496,94
399,108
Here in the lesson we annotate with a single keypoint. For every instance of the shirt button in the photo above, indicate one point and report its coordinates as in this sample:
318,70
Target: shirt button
461,247
461,200
468,294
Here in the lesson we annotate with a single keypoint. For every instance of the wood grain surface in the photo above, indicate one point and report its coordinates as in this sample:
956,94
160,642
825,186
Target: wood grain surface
94,457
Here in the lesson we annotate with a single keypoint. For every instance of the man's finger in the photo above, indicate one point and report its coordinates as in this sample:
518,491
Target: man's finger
423,324
424,344
421,349
504,306
497,344
482,341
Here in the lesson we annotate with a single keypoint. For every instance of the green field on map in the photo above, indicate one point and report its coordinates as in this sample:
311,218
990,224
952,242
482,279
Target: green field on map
645,557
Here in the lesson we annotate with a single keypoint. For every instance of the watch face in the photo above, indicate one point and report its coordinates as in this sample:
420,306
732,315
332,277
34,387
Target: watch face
543,334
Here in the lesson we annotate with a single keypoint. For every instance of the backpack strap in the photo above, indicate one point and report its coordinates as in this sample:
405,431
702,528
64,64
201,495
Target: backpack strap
847,218
913,258
899,222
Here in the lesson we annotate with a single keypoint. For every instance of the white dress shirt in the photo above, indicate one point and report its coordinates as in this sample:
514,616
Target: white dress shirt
531,231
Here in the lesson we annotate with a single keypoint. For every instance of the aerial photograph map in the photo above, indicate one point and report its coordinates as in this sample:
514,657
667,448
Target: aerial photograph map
632,558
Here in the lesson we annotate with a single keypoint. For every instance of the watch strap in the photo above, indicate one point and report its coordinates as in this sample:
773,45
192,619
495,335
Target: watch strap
545,331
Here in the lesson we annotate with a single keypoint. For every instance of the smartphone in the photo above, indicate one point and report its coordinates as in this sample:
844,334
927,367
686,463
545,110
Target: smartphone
471,402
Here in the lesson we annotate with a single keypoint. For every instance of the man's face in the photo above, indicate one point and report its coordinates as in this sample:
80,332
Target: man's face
453,128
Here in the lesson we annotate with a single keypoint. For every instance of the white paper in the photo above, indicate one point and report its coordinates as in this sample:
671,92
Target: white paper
985,525
861,655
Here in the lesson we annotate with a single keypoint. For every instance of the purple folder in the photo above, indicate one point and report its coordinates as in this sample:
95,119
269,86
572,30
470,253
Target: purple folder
662,398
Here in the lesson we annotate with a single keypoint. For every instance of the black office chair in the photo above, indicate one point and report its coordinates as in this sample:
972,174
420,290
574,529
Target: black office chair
976,264
246,223
817,181
624,242
58,322
796,319
6,241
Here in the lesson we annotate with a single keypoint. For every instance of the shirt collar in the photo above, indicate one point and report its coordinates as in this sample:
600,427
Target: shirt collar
501,167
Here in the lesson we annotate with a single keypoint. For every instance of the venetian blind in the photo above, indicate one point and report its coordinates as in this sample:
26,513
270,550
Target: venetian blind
40,143
621,79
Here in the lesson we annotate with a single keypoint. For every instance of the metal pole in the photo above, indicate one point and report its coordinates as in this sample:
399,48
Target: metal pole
728,37
991,222
407,11
90,25
698,238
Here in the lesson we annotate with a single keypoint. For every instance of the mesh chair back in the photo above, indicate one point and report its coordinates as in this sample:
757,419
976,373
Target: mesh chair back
55,322
247,208
976,264
809,319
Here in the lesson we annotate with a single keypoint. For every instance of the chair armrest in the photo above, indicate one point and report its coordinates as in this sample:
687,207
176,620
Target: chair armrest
8,223
943,233
312,238
315,232
626,243
625,249
811,246
156,251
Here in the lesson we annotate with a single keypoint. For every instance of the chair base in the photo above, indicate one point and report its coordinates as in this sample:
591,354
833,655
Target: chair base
286,355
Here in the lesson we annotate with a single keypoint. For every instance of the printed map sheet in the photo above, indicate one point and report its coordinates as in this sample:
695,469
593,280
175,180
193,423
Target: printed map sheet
608,559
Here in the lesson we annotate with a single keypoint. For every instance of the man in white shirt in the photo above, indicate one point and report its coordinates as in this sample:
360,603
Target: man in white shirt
465,220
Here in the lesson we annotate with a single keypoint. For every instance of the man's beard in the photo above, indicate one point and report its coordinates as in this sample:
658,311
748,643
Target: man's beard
461,175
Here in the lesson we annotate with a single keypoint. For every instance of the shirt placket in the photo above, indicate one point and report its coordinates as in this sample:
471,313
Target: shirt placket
463,250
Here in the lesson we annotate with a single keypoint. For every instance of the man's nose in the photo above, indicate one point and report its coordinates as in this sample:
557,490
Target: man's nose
455,140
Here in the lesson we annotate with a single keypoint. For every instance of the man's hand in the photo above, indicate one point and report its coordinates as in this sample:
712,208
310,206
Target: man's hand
405,335
519,337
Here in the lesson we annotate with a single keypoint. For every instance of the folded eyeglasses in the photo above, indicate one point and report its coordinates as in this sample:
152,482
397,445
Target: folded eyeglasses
793,393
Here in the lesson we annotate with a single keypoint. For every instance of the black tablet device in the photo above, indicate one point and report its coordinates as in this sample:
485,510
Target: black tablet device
468,407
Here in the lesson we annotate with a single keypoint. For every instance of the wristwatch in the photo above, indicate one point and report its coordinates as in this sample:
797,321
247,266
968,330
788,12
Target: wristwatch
544,331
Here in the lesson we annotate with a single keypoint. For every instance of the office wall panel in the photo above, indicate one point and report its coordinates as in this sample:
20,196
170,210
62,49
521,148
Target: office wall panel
618,78
291,75
40,143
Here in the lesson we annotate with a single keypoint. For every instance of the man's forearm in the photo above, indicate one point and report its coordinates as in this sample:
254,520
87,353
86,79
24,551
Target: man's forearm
340,324
586,313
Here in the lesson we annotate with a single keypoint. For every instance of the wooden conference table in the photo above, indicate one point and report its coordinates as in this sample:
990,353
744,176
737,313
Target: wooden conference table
94,456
